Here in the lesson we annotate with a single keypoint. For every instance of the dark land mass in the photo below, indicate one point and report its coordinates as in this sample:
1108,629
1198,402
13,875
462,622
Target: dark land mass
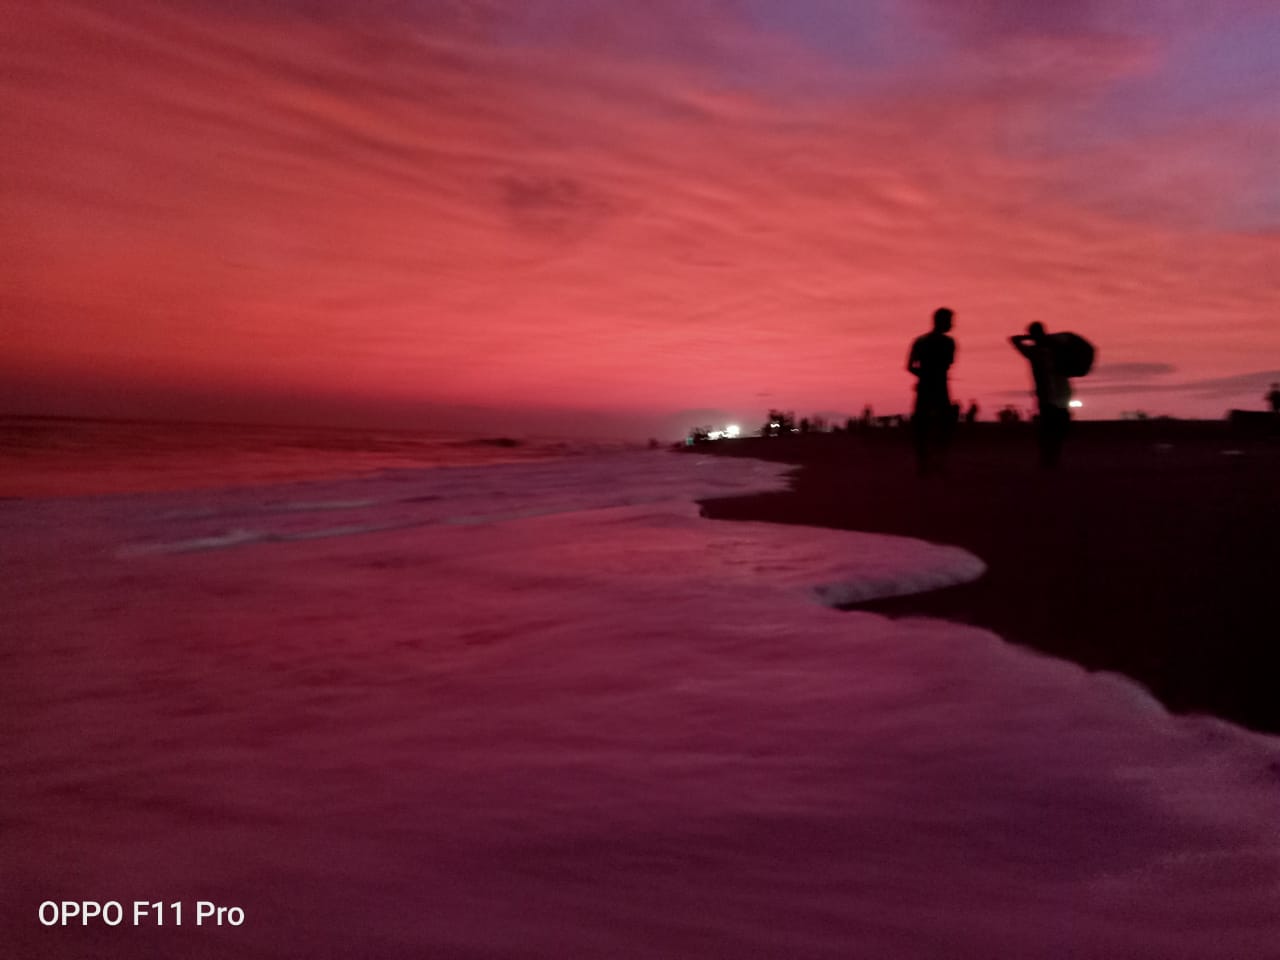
1151,552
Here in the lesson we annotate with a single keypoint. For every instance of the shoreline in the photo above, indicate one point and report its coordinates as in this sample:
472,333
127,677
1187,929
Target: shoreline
1150,553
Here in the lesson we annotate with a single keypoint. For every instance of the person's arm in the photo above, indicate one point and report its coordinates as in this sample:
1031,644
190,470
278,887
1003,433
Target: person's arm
1022,343
913,360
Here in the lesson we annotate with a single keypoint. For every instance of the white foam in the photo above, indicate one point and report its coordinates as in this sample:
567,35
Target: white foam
232,538
243,538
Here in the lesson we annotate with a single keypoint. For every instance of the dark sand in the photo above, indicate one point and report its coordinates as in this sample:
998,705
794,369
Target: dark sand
1151,552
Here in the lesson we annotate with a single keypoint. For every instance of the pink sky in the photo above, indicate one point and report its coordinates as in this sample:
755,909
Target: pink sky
545,216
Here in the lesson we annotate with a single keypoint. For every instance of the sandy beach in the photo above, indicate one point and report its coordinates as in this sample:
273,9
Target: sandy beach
1151,553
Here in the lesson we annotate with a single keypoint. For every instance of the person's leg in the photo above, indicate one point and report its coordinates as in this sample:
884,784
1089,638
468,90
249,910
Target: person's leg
920,437
1044,434
1064,427
1053,431
944,430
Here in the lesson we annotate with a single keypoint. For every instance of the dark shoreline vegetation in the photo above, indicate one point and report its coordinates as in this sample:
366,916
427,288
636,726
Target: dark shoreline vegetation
1152,552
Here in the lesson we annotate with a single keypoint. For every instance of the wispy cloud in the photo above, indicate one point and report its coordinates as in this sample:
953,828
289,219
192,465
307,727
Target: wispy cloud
1129,371
1250,385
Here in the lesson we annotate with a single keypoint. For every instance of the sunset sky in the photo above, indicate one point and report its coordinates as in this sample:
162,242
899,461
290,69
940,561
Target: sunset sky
594,217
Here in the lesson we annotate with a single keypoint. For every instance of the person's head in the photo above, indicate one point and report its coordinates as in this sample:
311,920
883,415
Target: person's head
942,318
1036,330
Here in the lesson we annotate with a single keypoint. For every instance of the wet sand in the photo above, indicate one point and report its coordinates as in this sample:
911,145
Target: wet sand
1151,552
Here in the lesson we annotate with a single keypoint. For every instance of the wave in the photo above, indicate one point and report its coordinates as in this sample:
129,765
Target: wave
609,488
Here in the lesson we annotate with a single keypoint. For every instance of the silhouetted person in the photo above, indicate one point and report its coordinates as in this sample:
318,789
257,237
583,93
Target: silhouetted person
971,415
929,361
1053,392
1273,398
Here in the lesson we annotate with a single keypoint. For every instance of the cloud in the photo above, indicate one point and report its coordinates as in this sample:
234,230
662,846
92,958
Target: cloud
1056,49
1116,371
556,205
995,19
1236,385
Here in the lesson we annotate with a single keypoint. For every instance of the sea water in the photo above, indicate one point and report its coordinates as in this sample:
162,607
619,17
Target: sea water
63,456
544,709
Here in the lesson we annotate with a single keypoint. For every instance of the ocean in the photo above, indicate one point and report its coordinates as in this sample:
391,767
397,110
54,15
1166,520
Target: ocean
543,708
57,456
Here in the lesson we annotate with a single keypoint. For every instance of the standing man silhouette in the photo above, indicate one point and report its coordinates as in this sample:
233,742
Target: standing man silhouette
1053,391
929,362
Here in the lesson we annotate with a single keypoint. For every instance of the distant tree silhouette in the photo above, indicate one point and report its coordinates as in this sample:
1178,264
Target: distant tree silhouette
780,423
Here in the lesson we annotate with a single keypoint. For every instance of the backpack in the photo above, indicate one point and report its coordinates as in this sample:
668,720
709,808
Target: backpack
1072,354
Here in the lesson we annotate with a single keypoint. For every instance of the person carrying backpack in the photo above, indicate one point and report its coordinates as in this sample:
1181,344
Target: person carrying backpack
1054,359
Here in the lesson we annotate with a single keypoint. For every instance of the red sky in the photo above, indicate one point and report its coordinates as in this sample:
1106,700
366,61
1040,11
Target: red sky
583,217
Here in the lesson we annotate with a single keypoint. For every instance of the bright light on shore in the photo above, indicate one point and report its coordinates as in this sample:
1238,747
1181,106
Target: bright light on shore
1076,403
728,433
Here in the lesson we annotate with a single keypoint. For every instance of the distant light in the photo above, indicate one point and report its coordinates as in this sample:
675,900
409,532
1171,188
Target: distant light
732,430
1076,403
715,434
775,425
